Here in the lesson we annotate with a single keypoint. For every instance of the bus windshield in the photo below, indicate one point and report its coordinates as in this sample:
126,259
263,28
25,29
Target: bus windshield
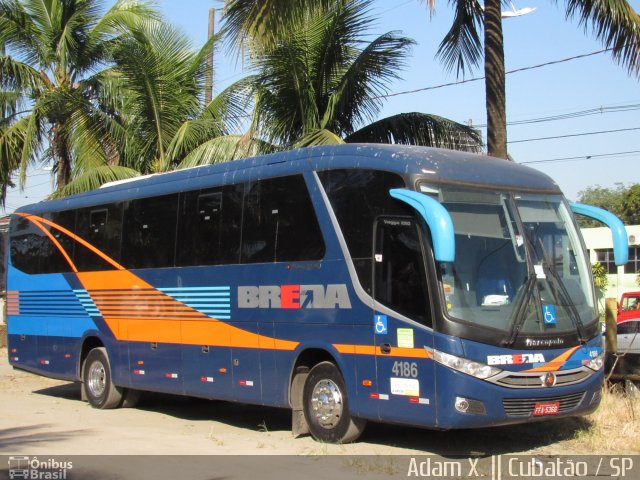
519,264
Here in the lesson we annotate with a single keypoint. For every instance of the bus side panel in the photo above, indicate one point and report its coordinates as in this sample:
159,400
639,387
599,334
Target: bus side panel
207,371
46,320
156,366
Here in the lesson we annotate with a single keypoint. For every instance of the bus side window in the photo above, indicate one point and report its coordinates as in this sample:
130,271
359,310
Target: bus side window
149,237
400,281
358,197
101,227
209,226
279,222
32,251
54,262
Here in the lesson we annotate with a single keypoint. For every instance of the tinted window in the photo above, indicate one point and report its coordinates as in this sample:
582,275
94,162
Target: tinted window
58,263
210,226
150,232
279,223
358,198
102,228
33,251
400,280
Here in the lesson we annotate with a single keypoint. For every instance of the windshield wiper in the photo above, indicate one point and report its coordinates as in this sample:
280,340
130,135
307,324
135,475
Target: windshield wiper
520,313
574,315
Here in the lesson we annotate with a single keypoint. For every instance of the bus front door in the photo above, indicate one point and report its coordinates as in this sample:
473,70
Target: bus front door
405,375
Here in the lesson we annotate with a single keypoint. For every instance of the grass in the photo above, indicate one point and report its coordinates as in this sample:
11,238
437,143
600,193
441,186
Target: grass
614,427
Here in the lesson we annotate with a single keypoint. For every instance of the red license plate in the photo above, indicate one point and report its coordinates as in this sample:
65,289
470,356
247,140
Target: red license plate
546,408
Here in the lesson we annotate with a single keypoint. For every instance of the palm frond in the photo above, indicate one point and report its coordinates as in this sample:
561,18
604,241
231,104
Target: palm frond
18,31
156,68
260,24
94,178
285,98
615,23
12,140
319,137
461,48
419,129
123,16
357,98
19,76
224,149
30,143
225,112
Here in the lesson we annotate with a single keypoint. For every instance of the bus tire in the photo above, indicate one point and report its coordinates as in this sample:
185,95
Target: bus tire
326,407
99,390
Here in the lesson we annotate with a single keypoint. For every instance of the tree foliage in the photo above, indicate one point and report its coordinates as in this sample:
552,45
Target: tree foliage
53,77
613,22
600,279
323,79
619,200
104,95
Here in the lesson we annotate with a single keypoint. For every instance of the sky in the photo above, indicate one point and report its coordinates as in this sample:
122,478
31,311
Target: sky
590,105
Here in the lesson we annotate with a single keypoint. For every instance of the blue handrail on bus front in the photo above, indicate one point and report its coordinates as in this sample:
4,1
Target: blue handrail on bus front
438,219
618,232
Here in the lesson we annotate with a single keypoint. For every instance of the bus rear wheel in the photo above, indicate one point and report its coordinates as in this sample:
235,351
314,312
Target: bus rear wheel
326,407
96,376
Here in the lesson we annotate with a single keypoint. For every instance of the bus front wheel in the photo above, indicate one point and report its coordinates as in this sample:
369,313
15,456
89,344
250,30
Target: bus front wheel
96,376
326,408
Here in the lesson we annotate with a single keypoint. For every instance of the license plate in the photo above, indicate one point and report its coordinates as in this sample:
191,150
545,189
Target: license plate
546,408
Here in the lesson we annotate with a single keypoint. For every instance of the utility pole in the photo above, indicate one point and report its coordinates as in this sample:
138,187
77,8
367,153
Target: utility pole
208,87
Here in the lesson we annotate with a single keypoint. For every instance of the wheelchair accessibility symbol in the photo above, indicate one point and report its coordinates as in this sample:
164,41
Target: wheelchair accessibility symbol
549,314
380,324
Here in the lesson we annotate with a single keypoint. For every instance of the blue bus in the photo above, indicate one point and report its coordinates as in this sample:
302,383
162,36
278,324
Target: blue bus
346,283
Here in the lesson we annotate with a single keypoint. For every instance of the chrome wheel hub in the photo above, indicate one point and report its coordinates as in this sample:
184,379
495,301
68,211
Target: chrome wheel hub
96,381
327,403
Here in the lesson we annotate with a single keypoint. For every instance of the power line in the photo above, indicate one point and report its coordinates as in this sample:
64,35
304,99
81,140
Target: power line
574,135
27,187
476,79
572,115
584,157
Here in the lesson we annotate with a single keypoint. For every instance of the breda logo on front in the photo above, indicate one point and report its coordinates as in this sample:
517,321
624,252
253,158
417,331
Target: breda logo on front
515,359
294,296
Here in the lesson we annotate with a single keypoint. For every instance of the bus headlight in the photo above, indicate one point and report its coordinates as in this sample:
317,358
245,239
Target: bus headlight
596,363
475,369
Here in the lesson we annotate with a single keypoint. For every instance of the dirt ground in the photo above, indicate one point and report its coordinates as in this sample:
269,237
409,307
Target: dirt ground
44,416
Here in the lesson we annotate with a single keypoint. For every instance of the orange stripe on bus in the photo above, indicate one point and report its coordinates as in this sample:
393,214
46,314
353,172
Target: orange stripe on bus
375,350
195,329
35,219
555,364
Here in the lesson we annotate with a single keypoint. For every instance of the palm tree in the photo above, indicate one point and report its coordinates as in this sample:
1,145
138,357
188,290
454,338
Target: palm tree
255,23
614,23
159,122
320,80
54,67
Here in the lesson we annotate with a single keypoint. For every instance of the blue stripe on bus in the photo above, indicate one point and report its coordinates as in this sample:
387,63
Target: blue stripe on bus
27,325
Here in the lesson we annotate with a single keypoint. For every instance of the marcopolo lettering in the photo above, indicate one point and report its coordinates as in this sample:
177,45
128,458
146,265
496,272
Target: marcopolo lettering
294,296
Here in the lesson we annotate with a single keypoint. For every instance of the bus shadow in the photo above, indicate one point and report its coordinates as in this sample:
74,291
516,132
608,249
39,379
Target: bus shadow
254,417
68,391
452,443
251,417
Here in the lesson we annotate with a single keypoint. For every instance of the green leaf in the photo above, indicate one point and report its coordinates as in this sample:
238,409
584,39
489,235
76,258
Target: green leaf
420,129
94,178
